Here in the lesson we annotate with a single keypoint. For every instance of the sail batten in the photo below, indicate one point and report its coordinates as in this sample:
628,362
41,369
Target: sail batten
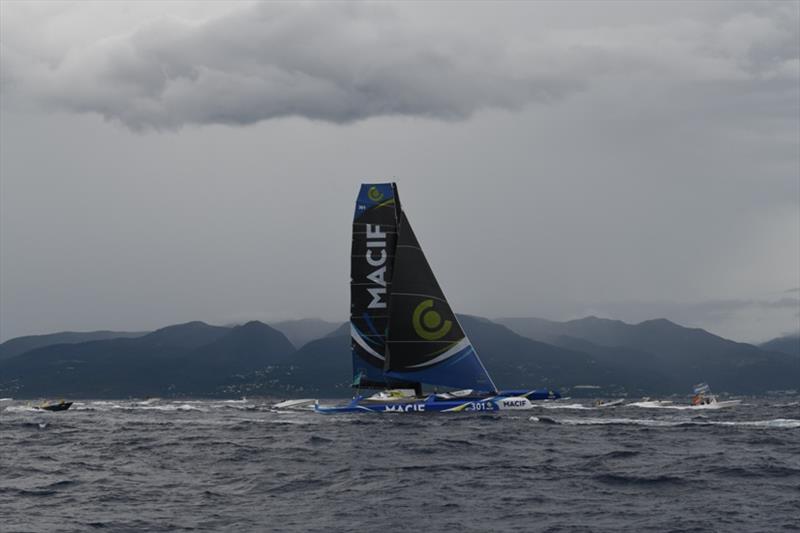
419,295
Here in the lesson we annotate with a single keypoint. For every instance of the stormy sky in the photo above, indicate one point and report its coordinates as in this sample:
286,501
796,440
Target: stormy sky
166,162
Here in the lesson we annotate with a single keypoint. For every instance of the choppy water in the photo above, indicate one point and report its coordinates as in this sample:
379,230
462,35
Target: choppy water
242,466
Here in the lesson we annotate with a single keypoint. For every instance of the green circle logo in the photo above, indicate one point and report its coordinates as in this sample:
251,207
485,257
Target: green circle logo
427,322
374,194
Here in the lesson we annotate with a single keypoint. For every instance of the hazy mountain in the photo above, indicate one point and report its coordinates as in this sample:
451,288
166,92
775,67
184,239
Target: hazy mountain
788,344
20,345
160,362
323,367
514,361
680,354
343,329
180,337
227,362
195,358
300,332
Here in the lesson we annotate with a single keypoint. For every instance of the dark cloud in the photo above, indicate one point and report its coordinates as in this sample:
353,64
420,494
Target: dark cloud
332,62
663,167
342,62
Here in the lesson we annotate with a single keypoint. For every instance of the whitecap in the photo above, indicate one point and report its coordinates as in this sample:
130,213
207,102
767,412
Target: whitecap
783,423
22,409
670,405
779,423
652,404
577,406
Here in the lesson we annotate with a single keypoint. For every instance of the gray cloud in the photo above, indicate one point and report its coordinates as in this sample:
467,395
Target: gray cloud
662,169
346,62
716,309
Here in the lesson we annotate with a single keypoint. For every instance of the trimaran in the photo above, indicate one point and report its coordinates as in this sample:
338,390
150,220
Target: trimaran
403,331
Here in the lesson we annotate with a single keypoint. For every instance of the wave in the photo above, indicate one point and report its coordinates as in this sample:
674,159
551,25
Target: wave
28,425
95,406
23,409
235,404
576,406
788,423
621,479
103,406
148,405
776,423
156,404
172,407
651,404
149,401
544,420
658,404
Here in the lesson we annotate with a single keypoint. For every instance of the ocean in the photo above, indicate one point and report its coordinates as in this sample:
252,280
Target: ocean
240,465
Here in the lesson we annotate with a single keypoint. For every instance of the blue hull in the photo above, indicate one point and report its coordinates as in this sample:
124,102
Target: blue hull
504,400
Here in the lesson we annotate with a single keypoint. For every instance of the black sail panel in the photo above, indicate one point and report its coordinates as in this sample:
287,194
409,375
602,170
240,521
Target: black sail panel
371,272
425,341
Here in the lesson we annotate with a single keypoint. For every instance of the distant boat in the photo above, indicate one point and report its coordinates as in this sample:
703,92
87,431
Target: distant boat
703,398
60,406
609,403
403,331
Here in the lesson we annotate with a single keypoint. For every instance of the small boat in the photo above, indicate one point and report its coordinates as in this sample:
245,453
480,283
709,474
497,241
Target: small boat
60,406
704,399
403,331
609,403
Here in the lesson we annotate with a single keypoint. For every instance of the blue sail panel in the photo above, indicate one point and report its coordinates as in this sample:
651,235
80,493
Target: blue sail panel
373,196
367,358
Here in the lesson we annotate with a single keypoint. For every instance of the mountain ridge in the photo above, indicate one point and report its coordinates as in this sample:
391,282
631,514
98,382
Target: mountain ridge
195,358
19,345
788,344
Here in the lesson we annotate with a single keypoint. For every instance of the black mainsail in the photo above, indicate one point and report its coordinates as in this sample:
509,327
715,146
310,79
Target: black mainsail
426,343
402,328
372,260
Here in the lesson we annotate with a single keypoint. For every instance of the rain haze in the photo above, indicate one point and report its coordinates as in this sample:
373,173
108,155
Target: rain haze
167,162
